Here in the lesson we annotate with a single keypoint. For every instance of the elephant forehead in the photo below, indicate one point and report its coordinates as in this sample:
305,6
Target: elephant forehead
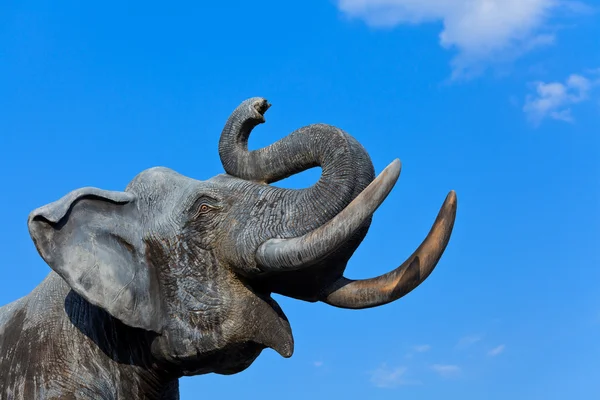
157,180
167,193
162,188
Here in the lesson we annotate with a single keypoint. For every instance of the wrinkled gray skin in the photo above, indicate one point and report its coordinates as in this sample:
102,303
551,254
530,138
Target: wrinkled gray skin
173,276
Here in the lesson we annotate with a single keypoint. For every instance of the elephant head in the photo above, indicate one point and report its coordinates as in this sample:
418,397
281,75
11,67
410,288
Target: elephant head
195,262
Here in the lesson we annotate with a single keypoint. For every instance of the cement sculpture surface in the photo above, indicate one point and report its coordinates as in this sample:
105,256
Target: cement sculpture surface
173,276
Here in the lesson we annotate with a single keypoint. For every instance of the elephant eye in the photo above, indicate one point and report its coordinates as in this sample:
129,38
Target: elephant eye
205,208
203,205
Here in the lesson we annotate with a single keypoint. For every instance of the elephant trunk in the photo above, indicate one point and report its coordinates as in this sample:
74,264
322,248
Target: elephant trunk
346,166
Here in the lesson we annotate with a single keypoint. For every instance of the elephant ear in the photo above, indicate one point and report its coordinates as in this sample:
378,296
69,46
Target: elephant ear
93,239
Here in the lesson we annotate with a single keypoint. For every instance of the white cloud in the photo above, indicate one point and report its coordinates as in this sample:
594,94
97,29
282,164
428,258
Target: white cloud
318,364
422,348
482,31
554,99
496,350
386,377
467,341
446,370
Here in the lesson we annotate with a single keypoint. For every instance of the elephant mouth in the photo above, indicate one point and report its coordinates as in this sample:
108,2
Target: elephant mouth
256,322
271,327
266,326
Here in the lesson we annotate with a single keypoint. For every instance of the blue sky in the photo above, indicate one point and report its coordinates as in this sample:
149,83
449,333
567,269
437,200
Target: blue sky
496,99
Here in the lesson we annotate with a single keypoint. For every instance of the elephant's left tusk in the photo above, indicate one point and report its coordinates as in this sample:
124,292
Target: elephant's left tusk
389,287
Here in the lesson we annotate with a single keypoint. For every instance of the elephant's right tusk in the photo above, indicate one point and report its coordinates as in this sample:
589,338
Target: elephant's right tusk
296,253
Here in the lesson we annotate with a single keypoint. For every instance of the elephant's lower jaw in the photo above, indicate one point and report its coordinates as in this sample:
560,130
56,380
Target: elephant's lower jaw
264,325
257,318
254,322
272,328
227,361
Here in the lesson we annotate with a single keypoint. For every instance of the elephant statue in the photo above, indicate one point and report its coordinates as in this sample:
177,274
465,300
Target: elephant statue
173,276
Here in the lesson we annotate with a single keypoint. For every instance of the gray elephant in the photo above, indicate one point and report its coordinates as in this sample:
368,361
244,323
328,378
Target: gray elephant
173,276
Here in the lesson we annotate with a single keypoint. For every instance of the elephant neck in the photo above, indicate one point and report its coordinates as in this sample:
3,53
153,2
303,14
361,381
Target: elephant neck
76,348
